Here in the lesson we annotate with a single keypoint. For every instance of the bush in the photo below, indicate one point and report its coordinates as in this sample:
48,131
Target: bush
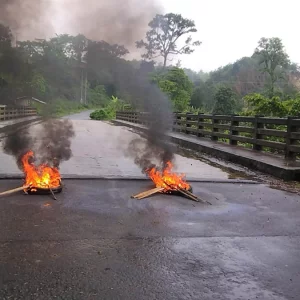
100,114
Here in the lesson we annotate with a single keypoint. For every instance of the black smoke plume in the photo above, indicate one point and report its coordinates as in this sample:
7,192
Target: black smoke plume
156,149
51,144
147,97
55,140
17,143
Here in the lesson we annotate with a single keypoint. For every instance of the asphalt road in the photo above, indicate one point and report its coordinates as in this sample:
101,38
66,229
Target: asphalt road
96,242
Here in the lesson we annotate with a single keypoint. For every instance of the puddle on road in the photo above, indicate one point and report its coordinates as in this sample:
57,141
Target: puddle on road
240,173
217,167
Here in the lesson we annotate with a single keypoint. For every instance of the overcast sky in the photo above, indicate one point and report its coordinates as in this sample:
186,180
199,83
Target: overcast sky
230,29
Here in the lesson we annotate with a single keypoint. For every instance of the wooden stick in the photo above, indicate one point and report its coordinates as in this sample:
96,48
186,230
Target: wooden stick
199,199
149,193
191,197
52,193
157,189
9,192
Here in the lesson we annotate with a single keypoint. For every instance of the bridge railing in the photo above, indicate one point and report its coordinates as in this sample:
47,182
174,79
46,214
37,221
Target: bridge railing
276,135
10,113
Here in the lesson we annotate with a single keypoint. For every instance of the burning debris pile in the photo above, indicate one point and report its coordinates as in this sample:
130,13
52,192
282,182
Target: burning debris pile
51,144
41,178
168,182
155,154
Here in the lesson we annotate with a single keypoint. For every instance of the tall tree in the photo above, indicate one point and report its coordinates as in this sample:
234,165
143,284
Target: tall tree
176,84
225,99
5,38
164,34
274,59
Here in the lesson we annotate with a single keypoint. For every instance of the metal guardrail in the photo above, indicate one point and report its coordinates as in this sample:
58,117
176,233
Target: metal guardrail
10,113
280,135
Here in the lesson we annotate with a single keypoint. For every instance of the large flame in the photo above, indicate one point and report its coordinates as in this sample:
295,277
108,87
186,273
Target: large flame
167,179
41,176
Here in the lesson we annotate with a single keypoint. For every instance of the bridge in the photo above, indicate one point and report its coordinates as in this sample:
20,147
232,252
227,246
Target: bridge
95,242
269,145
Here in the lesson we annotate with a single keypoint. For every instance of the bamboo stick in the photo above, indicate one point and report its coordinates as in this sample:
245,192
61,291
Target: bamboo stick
155,190
199,199
52,193
9,192
149,193
191,197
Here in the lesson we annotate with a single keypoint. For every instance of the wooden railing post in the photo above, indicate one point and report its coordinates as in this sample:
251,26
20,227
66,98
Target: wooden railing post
289,155
256,135
174,121
233,124
179,122
214,129
199,125
187,118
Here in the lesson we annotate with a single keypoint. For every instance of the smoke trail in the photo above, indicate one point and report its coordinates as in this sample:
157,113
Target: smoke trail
28,19
114,21
17,143
55,143
157,150
51,144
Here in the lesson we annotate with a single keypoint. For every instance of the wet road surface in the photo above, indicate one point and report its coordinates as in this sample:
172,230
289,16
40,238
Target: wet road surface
96,242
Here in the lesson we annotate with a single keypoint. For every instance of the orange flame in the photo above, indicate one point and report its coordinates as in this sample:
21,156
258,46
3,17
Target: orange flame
167,179
41,176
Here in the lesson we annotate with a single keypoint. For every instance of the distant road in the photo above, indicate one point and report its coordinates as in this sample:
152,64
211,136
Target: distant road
84,115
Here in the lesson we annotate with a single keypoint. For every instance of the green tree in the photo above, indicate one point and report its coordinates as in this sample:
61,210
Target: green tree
258,104
177,86
5,38
164,34
225,100
274,59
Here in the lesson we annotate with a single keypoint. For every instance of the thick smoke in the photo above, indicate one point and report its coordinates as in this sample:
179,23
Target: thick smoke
28,19
51,144
114,21
17,143
55,141
156,150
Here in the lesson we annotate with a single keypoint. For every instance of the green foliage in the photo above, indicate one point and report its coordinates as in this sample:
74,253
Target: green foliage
61,107
261,105
38,84
177,86
164,34
258,104
98,96
225,100
100,114
193,110
108,112
294,106
54,70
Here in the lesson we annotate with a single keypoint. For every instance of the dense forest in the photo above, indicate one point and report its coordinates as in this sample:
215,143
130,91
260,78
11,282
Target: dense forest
74,72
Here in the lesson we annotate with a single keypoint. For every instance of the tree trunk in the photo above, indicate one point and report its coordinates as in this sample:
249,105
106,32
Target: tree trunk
273,81
165,61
